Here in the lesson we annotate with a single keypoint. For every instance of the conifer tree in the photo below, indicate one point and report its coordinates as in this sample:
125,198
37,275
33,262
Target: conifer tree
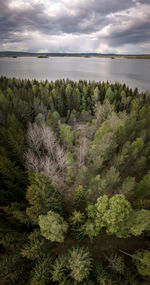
42,197
79,263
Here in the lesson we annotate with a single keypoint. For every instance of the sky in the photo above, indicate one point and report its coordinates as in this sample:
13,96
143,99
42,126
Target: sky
99,26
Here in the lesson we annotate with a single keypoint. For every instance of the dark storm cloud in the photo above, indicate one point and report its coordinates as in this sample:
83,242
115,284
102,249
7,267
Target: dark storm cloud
35,18
17,20
84,17
137,33
144,1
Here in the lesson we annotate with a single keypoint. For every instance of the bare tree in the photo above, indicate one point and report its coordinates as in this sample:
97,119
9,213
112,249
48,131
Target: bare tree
82,151
103,111
45,154
31,160
49,140
116,263
34,135
61,157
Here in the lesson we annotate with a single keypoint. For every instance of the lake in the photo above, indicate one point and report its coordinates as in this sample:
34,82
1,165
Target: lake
133,72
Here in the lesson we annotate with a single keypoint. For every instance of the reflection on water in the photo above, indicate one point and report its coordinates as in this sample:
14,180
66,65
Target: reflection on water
133,72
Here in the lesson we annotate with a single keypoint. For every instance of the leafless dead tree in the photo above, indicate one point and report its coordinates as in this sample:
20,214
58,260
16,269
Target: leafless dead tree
116,263
103,111
45,154
82,151
34,135
31,160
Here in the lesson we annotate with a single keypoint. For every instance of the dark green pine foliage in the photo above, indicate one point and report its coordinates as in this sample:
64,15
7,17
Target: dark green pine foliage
12,172
42,197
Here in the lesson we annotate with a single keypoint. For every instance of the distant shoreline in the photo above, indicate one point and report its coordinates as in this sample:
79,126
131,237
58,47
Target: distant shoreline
47,55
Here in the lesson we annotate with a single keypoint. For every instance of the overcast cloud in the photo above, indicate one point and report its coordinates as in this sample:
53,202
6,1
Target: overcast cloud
104,26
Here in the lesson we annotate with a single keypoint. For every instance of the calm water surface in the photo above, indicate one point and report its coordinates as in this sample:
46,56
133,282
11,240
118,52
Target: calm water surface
133,72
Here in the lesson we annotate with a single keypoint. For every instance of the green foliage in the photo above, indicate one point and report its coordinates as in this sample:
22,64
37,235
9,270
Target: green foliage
16,138
103,277
91,211
117,216
58,271
12,147
89,229
42,197
41,272
36,247
17,211
102,206
53,119
69,176
103,145
96,94
72,118
12,239
52,226
107,184
77,218
67,136
113,213
13,269
70,159
56,117
142,262
79,197
79,263
128,186
143,187
109,94
136,147
95,216
140,222
39,119
4,104
82,175
68,92
22,110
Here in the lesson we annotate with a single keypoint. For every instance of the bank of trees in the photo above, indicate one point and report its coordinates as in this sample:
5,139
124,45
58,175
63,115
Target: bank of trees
74,183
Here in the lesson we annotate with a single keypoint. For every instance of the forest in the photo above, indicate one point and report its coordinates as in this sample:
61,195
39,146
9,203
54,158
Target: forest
74,183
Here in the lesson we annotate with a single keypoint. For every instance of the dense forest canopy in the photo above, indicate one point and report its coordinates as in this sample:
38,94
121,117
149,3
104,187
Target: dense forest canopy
74,183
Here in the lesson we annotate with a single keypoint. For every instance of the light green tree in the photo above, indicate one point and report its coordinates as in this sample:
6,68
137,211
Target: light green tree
117,216
67,136
89,229
102,206
52,226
